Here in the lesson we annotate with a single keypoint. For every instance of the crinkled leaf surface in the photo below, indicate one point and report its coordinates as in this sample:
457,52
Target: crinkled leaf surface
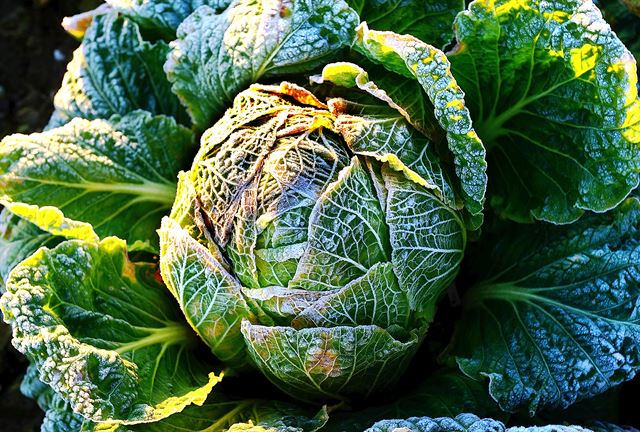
115,71
608,427
462,423
217,55
319,363
118,175
19,239
394,124
431,21
104,334
209,296
553,94
553,428
409,57
347,233
555,319
59,417
329,267
427,241
163,17
217,414
375,298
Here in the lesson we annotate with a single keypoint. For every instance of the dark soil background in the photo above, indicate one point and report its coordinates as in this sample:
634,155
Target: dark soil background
34,51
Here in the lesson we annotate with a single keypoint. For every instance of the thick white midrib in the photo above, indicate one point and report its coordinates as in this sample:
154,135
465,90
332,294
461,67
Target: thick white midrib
173,333
146,191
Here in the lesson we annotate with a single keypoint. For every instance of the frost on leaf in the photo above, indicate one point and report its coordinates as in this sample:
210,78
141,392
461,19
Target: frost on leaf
103,334
553,95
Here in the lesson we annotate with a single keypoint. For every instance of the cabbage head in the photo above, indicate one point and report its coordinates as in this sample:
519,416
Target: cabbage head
312,241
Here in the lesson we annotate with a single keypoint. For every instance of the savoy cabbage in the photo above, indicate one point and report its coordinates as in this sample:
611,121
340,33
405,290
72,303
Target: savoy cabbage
330,215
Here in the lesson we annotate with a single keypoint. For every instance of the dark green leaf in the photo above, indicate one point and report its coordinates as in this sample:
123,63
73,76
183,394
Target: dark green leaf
114,71
445,393
217,414
163,17
217,55
428,20
555,319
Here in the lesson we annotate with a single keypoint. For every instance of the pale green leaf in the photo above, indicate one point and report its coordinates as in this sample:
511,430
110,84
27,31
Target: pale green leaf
375,298
427,241
208,295
327,363
52,220
390,134
117,175
104,334
347,233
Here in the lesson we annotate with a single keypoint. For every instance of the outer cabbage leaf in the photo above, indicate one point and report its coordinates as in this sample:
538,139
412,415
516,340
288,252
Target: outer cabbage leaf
19,239
59,417
553,428
555,319
553,94
114,71
412,58
51,220
217,414
77,25
103,334
217,55
462,423
608,427
163,17
604,408
118,175
428,20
